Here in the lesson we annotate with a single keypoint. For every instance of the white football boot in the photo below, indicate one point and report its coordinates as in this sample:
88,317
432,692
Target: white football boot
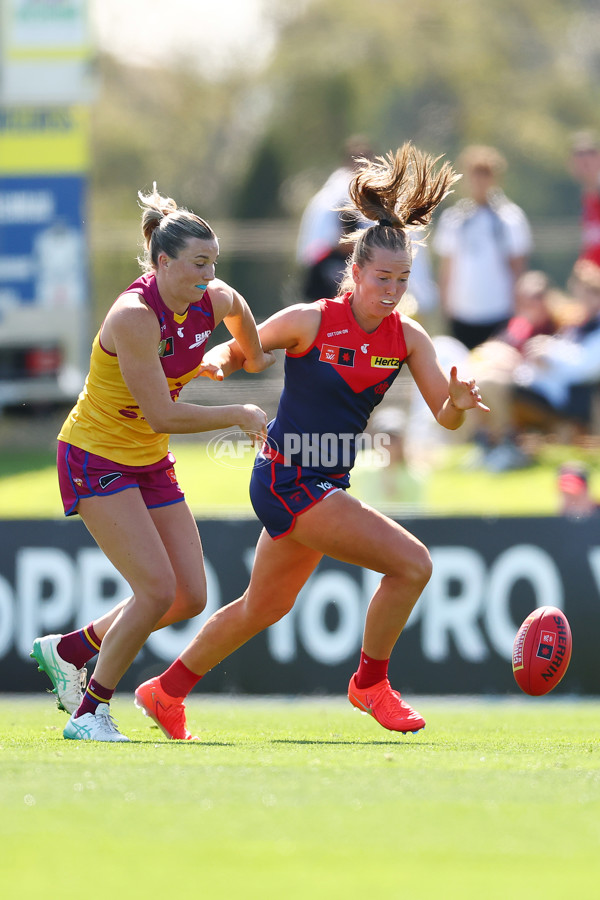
94,727
68,681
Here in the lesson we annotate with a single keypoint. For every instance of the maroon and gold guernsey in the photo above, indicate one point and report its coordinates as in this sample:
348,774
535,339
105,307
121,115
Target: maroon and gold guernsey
106,419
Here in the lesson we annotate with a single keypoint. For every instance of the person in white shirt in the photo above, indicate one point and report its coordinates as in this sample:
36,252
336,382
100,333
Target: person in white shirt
556,382
483,242
321,251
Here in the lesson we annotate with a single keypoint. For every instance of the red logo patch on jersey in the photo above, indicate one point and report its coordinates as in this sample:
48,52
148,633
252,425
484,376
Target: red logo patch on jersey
166,348
337,356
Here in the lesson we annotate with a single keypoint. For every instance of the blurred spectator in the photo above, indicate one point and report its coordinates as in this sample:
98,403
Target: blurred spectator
321,250
556,383
494,363
483,242
422,286
383,476
425,443
576,501
584,165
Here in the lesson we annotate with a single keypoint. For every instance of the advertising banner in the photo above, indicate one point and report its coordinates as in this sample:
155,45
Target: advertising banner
487,576
45,53
42,243
46,65
44,309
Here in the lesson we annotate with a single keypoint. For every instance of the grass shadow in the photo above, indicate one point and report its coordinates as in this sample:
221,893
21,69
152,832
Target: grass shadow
349,743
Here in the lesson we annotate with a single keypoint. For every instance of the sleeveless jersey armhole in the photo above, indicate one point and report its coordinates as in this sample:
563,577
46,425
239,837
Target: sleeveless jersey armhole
101,345
322,304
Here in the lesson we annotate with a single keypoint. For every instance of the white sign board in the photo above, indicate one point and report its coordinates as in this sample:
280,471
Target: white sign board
45,53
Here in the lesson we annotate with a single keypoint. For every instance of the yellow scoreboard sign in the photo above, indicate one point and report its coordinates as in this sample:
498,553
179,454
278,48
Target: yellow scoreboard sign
46,141
46,84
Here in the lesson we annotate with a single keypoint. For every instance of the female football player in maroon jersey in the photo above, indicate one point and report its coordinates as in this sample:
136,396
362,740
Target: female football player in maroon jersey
115,468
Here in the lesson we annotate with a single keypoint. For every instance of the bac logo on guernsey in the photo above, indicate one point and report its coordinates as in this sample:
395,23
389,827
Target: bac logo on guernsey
385,362
200,338
337,356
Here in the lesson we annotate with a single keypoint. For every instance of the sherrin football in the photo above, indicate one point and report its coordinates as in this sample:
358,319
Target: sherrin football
542,650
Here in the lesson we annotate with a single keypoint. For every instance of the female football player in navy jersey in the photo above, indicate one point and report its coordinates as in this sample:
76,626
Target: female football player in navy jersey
115,468
342,355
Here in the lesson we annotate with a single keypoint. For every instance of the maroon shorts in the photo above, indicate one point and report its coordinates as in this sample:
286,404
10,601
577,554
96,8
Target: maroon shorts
82,474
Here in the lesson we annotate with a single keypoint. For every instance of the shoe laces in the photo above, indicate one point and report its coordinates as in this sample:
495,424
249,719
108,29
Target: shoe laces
107,722
73,677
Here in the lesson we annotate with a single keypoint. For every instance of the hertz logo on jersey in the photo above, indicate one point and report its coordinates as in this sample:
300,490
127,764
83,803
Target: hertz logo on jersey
385,362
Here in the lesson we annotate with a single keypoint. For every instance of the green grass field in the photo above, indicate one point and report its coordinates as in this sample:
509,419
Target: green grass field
305,799
28,485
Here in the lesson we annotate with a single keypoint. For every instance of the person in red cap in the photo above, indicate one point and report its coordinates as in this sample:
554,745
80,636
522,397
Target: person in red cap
584,166
575,497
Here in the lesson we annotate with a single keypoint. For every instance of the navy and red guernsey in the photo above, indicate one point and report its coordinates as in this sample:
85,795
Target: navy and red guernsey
329,394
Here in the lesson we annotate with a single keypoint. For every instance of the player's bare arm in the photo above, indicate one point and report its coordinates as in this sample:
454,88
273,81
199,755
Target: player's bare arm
294,328
447,398
132,332
230,307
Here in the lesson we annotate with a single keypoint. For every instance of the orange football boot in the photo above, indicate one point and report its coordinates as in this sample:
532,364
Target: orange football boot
386,706
168,712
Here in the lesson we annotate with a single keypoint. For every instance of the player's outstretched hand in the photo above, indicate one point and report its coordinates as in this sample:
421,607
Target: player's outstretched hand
214,362
210,370
464,394
254,423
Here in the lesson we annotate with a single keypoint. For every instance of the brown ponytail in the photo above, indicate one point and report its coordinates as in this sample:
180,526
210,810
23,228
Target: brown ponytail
166,228
395,191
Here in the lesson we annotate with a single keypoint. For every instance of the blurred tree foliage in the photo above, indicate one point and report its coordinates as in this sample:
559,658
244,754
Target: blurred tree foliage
519,74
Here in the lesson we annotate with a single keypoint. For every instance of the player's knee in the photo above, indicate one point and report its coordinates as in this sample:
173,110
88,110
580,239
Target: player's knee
417,568
262,615
159,592
193,602
423,566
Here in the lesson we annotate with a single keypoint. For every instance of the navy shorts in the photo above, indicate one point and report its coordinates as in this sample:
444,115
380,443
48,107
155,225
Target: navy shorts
280,493
82,474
